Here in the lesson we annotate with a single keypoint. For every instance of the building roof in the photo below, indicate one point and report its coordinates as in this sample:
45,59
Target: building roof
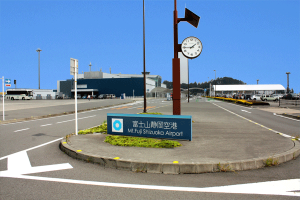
260,87
161,89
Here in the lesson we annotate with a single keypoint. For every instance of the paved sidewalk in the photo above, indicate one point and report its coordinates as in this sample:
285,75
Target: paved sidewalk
221,142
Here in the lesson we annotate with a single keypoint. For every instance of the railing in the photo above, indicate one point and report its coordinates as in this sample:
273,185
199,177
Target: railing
289,103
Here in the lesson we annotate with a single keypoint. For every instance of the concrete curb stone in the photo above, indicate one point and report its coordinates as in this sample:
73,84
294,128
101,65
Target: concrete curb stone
180,168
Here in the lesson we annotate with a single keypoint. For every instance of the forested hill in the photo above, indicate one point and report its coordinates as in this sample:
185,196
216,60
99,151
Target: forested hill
219,81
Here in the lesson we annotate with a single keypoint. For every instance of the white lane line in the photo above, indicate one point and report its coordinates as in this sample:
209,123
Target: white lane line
281,187
74,119
282,134
21,130
46,125
286,117
246,111
239,105
57,116
65,121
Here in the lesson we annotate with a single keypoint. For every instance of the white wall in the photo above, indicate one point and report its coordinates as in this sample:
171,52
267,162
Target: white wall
183,68
43,93
150,85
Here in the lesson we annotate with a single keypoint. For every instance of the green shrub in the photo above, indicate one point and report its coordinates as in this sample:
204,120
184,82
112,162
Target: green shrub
151,113
140,142
99,129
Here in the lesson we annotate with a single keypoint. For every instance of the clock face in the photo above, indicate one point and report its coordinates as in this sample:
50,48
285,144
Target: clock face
191,47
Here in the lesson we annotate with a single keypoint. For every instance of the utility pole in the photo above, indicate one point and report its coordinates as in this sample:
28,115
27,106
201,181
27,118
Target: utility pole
215,81
288,88
144,58
3,97
39,50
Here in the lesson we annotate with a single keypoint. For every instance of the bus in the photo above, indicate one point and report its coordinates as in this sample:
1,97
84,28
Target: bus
21,94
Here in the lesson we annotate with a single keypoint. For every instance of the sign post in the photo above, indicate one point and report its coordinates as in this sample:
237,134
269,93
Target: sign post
7,82
74,71
3,97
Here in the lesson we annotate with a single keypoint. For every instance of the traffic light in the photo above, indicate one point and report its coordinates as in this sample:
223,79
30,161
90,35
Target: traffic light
15,82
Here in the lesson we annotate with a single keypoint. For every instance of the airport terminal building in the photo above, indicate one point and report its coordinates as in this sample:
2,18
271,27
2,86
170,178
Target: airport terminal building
98,82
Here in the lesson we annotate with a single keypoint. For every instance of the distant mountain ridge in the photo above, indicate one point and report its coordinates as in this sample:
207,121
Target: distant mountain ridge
218,81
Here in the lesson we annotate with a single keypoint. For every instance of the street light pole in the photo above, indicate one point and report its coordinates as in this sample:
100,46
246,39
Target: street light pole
90,66
39,50
288,88
215,82
3,97
144,58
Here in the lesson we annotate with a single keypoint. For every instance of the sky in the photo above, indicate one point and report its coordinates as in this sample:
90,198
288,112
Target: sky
243,39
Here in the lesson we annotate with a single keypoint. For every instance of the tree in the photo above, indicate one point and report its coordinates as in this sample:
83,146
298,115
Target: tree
219,81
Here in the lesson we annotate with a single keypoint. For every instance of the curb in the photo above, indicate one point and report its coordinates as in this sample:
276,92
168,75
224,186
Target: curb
290,116
180,168
59,114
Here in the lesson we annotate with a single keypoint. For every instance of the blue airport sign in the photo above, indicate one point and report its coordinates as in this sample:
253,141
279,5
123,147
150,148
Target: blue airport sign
7,81
154,126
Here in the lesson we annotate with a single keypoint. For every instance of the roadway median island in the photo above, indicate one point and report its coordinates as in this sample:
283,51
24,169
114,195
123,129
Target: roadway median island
241,101
119,140
221,142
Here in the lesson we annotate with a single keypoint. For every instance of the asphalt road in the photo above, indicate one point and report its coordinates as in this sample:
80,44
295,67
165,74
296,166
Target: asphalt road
19,109
88,181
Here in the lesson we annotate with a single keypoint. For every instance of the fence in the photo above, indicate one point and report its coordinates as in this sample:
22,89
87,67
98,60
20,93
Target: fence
289,103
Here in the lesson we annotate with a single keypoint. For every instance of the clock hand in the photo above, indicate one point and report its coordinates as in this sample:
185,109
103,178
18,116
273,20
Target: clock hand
192,46
189,47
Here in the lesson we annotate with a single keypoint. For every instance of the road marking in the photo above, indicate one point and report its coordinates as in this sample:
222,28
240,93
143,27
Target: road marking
282,187
246,111
46,125
286,117
74,119
239,106
282,134
21,130
19,163
34,147
61,115
148,107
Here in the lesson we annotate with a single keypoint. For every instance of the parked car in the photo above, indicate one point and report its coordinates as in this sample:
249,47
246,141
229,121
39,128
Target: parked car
290,96
110,96
247,96
256,96
278,95
84,97
265,97
93,96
